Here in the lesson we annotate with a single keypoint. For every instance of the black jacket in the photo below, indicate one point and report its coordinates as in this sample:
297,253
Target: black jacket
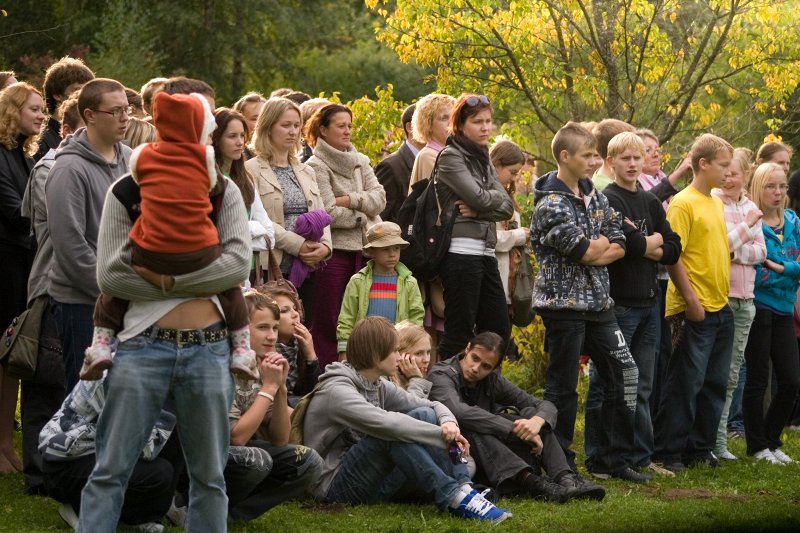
51,138
633,278
475,407
394,173
461,176
15,167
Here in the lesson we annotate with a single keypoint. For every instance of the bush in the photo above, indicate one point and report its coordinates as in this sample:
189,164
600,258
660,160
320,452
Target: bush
528,371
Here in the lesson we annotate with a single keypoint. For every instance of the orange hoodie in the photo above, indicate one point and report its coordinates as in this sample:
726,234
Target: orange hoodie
175,175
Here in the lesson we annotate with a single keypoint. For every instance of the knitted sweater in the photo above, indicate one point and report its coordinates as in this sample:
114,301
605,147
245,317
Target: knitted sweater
746,244
347,174
148,303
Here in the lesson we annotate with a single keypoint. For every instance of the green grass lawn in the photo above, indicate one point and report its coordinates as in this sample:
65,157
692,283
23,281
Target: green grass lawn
741,496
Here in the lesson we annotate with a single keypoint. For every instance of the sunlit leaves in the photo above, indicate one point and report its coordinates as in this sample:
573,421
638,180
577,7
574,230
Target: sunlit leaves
674,66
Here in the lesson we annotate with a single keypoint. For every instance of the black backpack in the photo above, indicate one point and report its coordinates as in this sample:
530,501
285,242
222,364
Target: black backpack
421,226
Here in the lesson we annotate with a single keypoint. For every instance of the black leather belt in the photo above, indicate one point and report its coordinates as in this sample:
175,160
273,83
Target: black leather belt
213,333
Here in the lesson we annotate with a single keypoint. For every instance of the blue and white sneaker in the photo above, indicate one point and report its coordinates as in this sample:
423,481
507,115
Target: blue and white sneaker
475,506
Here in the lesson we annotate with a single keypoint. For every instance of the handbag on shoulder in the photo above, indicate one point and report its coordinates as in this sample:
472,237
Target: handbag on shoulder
20,343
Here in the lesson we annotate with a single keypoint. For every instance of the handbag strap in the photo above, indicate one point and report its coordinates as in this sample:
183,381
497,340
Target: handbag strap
273,271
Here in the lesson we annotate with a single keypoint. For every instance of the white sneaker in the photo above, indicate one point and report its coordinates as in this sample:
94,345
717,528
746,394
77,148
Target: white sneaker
768,456
725,455
782,457
177,515
147,527
67,514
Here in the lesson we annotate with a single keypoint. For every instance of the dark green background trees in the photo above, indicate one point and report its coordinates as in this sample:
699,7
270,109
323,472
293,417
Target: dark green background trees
235,46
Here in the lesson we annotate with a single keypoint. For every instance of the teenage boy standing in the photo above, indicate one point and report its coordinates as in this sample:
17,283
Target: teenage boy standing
575,234
697,307
634,286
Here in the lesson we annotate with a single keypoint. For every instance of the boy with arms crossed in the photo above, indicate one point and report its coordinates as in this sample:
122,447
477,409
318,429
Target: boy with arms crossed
575,234
634,287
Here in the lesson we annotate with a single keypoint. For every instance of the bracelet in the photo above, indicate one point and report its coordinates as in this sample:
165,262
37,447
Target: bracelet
266,395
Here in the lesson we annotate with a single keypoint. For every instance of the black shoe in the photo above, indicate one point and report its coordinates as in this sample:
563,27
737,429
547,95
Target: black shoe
487,492
675,466
631,475
579,488
542,489
709,460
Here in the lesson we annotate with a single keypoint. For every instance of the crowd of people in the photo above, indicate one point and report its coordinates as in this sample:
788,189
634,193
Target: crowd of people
228,324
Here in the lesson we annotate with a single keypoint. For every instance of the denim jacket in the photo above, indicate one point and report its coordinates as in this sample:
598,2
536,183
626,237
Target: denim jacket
561,228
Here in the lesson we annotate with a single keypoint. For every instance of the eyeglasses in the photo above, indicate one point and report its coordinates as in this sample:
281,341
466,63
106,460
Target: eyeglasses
118,111
782,187
472,101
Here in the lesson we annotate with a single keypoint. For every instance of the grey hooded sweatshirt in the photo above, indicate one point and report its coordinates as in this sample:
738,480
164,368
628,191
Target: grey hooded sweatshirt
346,403
75,191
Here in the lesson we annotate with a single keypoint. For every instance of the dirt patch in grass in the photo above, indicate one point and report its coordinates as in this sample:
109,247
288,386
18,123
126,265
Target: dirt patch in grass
693,494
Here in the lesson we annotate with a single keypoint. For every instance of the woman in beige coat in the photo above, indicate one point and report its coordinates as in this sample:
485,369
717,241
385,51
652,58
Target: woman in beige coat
354,198
288,188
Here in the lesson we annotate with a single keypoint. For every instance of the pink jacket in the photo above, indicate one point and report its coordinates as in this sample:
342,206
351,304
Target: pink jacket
746,244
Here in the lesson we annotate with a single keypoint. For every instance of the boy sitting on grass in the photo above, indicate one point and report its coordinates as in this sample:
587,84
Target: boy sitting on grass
385,287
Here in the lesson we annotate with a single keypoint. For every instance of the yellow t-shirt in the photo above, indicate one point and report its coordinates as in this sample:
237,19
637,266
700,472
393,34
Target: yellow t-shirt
700,221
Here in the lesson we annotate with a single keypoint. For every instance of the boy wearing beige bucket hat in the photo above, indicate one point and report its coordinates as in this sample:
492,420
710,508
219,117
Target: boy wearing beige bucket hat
385,287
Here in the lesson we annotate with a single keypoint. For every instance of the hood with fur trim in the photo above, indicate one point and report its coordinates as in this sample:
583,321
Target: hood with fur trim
182,118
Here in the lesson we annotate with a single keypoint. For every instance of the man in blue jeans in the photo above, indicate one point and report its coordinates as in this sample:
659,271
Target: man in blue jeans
173,345
634,286
575,234
86,164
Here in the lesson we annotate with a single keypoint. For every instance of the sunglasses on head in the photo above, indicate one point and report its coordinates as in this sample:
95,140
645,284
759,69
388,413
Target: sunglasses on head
472,101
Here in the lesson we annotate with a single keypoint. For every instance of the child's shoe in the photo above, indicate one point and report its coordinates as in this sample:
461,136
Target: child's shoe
243,359
97,357
243,363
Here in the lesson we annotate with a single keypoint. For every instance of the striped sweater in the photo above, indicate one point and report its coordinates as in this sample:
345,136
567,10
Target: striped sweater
746,244
148,302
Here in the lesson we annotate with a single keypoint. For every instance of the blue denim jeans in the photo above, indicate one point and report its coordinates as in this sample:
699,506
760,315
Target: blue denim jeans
605,344
694,391
474,301
639,326
663,350
75,326
370,470
146,373
735,419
